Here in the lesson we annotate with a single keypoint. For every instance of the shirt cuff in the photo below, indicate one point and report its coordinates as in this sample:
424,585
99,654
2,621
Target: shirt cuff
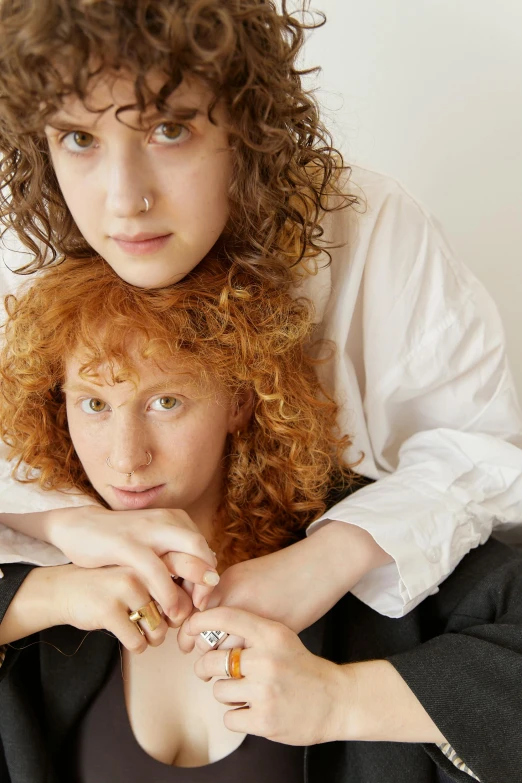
426,534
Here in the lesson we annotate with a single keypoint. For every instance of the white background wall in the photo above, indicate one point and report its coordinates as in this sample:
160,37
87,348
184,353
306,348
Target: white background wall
430,91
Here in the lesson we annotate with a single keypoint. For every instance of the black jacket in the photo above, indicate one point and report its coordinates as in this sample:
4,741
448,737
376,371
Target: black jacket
460,652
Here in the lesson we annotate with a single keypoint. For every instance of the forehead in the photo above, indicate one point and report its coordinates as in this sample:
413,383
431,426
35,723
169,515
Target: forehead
109,93
138,374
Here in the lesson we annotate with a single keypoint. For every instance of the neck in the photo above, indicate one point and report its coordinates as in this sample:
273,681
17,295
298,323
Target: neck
204,512
204,519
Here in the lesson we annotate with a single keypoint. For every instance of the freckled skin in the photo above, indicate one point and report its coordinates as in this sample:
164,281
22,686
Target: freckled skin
183,428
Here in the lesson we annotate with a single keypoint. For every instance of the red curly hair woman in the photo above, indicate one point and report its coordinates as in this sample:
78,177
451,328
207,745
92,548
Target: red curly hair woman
195,410
156,134
151,132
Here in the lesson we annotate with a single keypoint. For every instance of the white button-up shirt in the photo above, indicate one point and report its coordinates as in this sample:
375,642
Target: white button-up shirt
421,375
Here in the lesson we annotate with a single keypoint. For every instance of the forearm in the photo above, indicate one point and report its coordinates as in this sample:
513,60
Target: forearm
321,568
35,605
37,524
350,552
378,706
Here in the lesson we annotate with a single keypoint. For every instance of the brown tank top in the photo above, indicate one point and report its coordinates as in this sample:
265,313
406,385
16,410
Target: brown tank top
106,751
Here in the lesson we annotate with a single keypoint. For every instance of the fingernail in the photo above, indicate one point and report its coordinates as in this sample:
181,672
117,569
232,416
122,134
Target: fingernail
211,578
203,603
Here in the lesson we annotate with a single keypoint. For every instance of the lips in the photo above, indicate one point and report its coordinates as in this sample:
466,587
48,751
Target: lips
137,497
141,244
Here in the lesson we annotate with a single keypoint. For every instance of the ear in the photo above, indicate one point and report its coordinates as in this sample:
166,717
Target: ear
241,410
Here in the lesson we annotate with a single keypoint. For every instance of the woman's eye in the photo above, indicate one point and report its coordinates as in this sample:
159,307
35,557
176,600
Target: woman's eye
77,141
166,403
170,133
93,405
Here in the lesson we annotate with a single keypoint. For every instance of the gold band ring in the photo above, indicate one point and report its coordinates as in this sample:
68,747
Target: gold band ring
149,613
233,663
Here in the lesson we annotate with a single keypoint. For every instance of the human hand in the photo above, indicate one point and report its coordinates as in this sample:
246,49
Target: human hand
154,543
297,585
101,598
293,697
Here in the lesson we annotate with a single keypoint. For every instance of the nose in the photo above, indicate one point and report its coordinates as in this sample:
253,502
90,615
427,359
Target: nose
128,448
148,456
127,182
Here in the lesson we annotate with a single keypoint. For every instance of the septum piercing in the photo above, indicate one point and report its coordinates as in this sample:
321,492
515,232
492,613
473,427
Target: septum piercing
145,465
147,205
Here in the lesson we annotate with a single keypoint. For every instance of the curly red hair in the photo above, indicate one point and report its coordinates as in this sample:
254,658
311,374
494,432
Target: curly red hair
242,333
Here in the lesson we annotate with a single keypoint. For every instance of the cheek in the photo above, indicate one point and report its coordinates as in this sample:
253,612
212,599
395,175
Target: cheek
205,191
220,177
80,196
86,450
65,180
74,205
87,447
198,450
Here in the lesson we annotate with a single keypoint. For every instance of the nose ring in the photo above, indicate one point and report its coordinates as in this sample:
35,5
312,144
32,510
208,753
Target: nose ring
147,205
145,465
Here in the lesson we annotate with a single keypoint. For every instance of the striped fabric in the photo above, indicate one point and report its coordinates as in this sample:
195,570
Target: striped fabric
451,754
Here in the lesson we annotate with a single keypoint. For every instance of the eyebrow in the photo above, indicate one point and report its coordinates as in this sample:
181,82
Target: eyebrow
179,112
160,386
165,386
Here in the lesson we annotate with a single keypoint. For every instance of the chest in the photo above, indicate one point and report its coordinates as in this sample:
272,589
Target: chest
172,713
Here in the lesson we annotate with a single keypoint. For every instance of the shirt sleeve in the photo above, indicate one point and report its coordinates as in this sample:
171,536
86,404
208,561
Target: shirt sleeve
15,497
448,492
439,413
12,577
468,678
19,498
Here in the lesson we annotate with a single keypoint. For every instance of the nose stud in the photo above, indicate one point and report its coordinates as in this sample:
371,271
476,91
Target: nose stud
147,205
145,465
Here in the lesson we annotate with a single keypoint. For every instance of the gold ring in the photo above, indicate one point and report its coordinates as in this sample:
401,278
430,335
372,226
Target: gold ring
149,613
233,663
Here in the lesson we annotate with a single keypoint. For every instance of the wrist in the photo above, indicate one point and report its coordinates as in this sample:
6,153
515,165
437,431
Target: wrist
43,525
52,525
66,528
57,590
358,718
39,603
378,706
33,524
352,551
49,591
343,715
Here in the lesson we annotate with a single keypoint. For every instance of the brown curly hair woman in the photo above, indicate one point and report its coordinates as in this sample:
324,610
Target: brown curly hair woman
155,135
221,68
158,134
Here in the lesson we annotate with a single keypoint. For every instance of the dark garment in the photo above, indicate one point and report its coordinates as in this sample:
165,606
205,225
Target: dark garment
106,751
460,652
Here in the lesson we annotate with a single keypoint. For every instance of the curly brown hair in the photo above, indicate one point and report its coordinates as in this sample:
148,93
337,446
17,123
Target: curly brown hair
285,169
242,333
